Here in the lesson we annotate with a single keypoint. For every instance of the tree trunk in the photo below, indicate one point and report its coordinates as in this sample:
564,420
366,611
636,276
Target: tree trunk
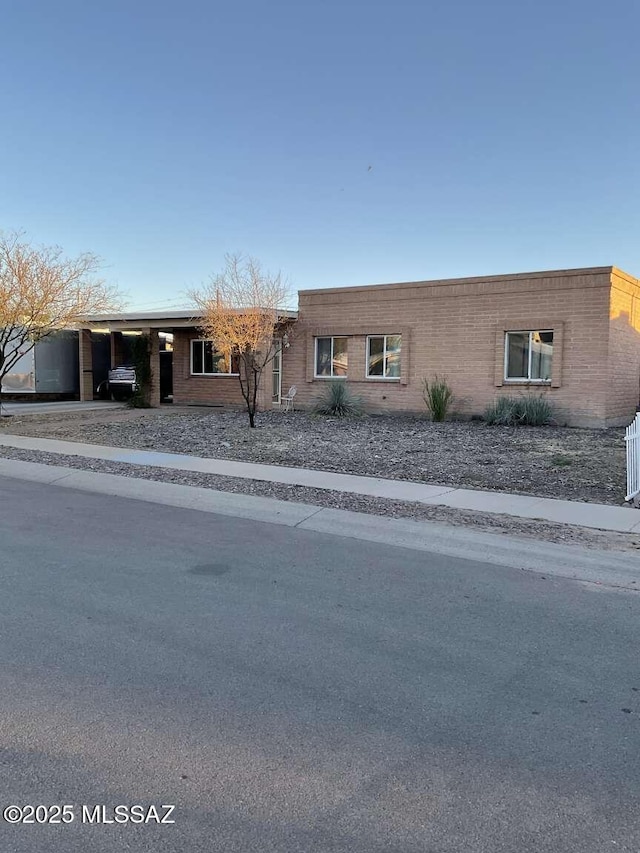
251,399
248,392
254,399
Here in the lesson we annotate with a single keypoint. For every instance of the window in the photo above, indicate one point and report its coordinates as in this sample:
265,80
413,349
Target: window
205,361
383,356
331,357
528,356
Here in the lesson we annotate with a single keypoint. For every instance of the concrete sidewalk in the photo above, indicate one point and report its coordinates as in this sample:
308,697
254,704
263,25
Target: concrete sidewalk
58,407
597,516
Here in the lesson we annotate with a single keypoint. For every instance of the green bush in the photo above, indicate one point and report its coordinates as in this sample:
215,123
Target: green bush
438,396
501,412
537,411
337,401
519,411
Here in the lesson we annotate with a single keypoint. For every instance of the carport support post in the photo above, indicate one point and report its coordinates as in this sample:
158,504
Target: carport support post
154,356
86,365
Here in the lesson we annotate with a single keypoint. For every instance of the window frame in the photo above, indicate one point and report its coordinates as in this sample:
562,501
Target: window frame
203,341
317,338
515,380
383,378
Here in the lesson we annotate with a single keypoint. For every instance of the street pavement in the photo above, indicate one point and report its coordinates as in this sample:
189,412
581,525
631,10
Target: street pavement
291,690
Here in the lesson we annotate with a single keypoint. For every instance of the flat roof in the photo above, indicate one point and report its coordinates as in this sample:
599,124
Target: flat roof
183,318
562,273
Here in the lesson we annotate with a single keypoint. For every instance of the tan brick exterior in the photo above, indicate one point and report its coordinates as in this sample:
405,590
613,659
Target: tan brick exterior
455,328
207,390
623,386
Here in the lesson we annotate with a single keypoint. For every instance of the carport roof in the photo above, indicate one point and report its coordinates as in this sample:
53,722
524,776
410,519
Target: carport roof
153,320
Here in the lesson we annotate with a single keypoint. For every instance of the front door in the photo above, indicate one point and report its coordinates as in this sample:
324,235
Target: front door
276,393
166,376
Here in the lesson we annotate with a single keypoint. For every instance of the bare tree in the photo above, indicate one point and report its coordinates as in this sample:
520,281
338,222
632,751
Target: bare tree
242,308
42,292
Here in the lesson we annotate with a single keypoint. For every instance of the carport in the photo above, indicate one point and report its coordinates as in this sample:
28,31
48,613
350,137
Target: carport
158,326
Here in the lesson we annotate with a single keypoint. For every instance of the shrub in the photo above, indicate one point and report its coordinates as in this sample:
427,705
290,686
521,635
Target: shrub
438,396
536,411
337,401
516,411
501,412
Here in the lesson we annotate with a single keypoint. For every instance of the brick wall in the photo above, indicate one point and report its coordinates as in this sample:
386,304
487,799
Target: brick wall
210,390
455,328
623,387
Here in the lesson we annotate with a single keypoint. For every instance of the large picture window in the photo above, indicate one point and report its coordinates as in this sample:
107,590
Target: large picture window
528,356
332,357
206,361
383,356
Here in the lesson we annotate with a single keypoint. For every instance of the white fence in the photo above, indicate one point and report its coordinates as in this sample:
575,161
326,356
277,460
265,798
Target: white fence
633,458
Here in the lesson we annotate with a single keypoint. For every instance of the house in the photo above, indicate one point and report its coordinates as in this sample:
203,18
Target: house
186,368
571,335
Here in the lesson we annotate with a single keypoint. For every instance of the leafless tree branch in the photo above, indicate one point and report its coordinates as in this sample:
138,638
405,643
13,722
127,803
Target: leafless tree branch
42,291
241,308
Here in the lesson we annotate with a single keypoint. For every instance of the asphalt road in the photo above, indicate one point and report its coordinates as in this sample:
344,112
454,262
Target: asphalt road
294,691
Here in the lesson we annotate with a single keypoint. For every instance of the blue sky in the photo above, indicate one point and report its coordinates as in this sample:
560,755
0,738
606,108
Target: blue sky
341,142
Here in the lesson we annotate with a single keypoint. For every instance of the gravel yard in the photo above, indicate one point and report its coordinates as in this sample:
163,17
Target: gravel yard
556,462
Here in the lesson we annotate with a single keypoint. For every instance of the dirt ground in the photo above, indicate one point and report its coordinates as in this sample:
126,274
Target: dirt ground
557,462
